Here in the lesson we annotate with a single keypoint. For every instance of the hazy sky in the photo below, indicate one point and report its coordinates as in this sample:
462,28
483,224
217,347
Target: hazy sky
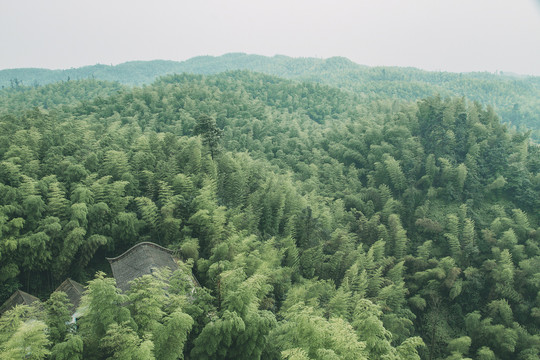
451,35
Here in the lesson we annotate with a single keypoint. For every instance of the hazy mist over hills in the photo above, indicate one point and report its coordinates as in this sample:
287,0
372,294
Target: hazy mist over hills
144,72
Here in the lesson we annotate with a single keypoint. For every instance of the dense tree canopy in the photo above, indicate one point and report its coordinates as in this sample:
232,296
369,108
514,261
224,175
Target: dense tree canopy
320,224
515,97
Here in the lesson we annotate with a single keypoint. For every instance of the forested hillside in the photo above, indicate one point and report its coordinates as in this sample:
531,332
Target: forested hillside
19,99
321,223
515,98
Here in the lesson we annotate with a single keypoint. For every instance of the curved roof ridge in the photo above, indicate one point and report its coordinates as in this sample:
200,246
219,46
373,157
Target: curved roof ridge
143,243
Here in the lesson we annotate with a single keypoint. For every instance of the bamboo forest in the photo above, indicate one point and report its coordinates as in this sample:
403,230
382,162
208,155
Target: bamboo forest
314,209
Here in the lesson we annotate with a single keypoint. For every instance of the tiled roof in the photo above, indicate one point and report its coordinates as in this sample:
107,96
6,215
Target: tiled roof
19,297
140,260
74,291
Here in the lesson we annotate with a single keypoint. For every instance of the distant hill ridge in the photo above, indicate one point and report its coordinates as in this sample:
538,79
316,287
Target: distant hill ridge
144,72
516,98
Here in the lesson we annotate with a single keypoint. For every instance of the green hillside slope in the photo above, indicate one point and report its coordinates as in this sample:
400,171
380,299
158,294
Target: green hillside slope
321,224
515,98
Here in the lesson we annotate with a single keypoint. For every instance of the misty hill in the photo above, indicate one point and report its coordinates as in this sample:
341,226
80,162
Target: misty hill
515,98
21,98
338,71
144,72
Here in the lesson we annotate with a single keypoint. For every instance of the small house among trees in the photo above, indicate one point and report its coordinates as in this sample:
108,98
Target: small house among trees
74,292
142,259
19,297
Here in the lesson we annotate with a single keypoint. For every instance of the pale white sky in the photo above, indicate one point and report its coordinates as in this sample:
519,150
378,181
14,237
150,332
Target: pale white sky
450,35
